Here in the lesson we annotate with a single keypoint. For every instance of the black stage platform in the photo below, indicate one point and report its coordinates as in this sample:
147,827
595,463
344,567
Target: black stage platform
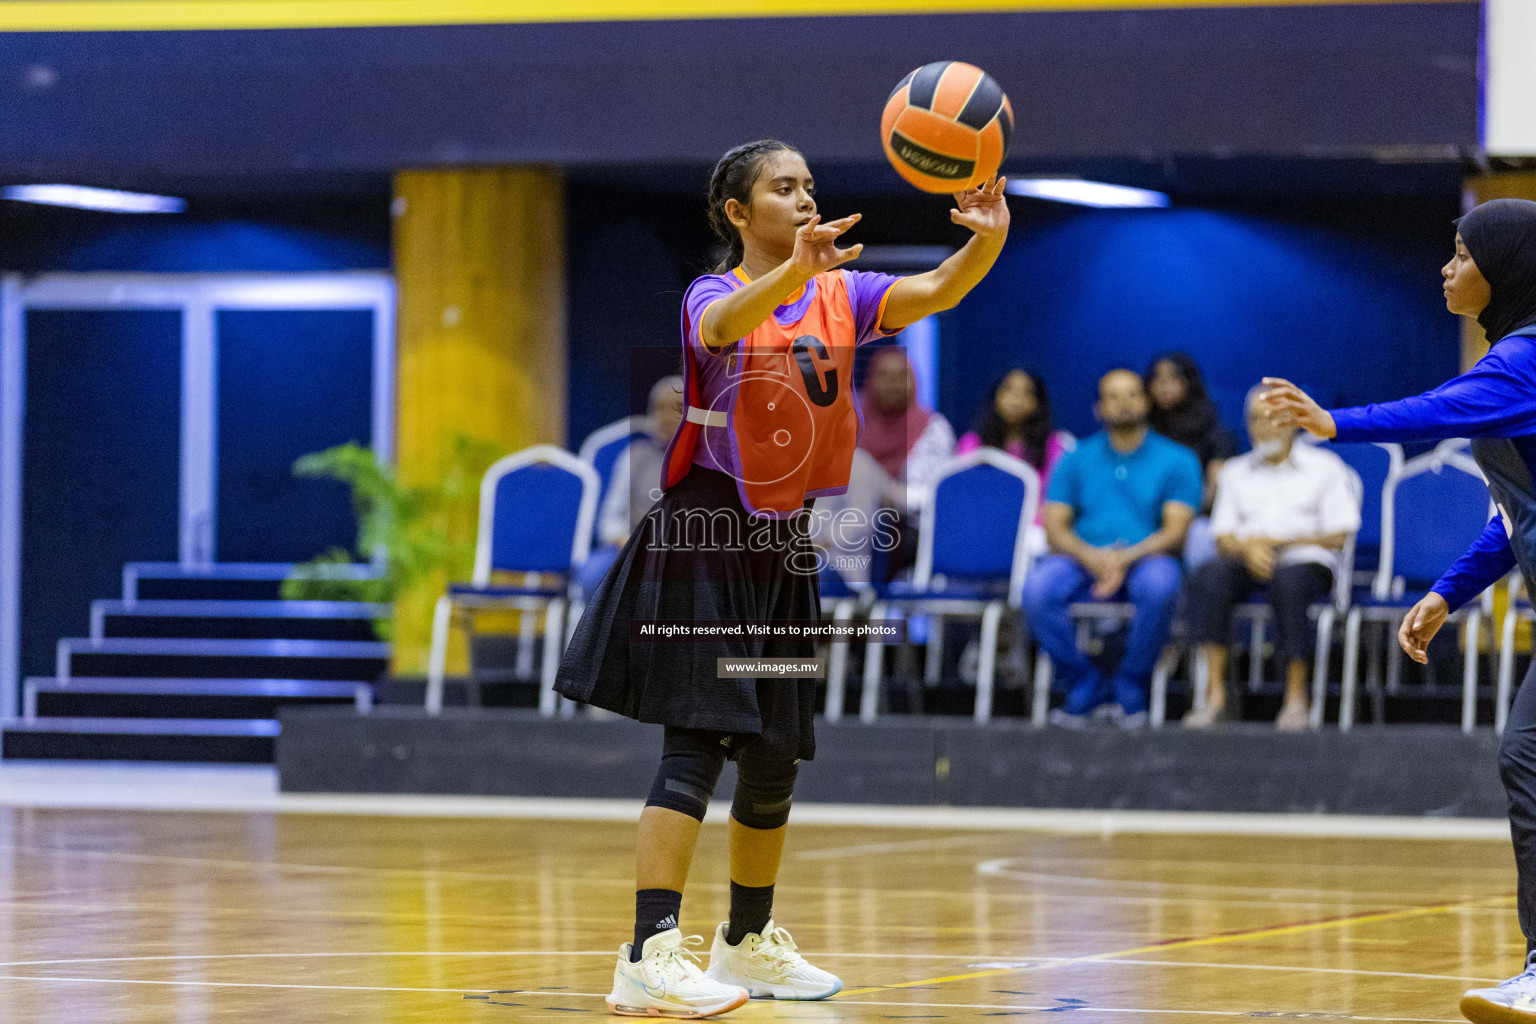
1401,770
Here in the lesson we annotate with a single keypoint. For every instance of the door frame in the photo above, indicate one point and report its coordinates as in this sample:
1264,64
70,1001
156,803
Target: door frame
199,298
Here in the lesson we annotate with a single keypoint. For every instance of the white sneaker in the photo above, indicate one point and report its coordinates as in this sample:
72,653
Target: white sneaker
768,964
665,984
1513,1002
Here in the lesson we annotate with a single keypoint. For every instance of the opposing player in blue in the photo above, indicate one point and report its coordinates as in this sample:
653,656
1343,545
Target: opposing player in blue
1492,276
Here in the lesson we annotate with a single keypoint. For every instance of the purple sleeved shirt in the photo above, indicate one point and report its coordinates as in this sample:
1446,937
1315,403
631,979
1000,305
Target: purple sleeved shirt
866,293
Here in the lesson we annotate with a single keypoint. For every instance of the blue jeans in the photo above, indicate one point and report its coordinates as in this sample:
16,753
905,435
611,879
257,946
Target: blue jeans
1152,586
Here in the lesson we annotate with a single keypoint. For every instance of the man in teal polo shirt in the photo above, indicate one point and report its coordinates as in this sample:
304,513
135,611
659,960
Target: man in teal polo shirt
1116,513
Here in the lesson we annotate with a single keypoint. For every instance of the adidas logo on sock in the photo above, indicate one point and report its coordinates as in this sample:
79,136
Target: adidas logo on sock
670,921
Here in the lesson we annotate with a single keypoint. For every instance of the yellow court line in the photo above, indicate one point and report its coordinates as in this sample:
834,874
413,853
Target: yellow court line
183,15
1208,940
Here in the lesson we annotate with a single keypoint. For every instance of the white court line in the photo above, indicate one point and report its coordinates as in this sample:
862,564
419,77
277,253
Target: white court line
1076,1008
243,984
1000,868
253,789
969,960
1047,960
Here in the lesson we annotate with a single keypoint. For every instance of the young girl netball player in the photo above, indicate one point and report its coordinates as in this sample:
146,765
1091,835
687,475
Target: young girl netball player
1492,277
768,342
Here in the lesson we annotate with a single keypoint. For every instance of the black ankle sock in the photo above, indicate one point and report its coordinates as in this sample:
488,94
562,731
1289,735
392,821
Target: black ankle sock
750,910
655,911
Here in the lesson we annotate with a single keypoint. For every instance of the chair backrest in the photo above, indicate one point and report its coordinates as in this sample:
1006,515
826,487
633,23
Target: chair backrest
1343,582
602,447
1439,506
1378,466
536,513
976,516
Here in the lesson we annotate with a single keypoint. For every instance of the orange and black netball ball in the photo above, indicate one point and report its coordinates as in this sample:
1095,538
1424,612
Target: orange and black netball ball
946,126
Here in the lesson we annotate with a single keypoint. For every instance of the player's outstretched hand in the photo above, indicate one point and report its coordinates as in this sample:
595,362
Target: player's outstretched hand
1289,406
1421,624
984,210
815,245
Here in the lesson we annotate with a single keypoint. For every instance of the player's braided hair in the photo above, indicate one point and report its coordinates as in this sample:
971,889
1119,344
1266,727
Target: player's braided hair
733,178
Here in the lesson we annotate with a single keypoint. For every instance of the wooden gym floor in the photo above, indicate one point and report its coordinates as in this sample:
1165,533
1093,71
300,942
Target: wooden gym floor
185,918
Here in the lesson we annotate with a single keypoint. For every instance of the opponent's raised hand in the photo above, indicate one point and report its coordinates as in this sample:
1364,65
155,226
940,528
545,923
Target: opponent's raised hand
816,248
984,210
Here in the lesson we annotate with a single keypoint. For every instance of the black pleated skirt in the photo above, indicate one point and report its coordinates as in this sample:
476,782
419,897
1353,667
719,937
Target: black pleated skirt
699,556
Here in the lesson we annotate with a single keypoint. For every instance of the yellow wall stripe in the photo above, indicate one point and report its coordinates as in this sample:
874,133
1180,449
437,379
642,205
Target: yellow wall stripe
162,15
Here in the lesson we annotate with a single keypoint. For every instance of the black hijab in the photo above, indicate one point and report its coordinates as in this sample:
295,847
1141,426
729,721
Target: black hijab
1501,236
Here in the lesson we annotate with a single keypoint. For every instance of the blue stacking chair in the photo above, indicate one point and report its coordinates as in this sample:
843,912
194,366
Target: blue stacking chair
536,513
842,600
602,448
1431,513
1379,466
972,559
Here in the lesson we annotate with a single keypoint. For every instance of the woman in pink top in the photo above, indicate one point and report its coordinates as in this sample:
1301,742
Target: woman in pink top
1018,420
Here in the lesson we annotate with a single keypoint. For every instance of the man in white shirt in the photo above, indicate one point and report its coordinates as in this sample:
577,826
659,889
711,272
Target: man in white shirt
1283,512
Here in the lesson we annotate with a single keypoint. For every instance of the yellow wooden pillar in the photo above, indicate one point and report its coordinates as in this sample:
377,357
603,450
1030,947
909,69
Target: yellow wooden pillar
480,268
1521,185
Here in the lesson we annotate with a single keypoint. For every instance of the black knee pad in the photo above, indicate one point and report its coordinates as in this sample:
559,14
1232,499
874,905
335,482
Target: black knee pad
691,760
764,789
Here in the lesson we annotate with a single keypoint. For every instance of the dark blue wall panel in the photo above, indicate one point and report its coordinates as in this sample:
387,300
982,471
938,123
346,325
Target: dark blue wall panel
101,465
1345,300
1343,296
1282,79
284,236
290,383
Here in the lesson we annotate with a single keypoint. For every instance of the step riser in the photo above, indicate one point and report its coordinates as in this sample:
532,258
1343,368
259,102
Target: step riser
227,628
175,666
109,747
209,590
144,705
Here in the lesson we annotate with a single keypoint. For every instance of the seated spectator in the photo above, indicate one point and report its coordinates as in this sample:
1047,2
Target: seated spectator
1182,411
846,528
1283,513
1017,419
908,441
635,483
1116,514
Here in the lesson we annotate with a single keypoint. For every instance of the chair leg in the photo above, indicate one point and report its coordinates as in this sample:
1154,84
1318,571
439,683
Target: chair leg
1351,671
837,663
986,669
549,701
1202,681
1388,640
1256,654
874,656
1320,662
1040,702
1158,712
572,617
1469,670
527,628
437,660
1506,672
933,658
